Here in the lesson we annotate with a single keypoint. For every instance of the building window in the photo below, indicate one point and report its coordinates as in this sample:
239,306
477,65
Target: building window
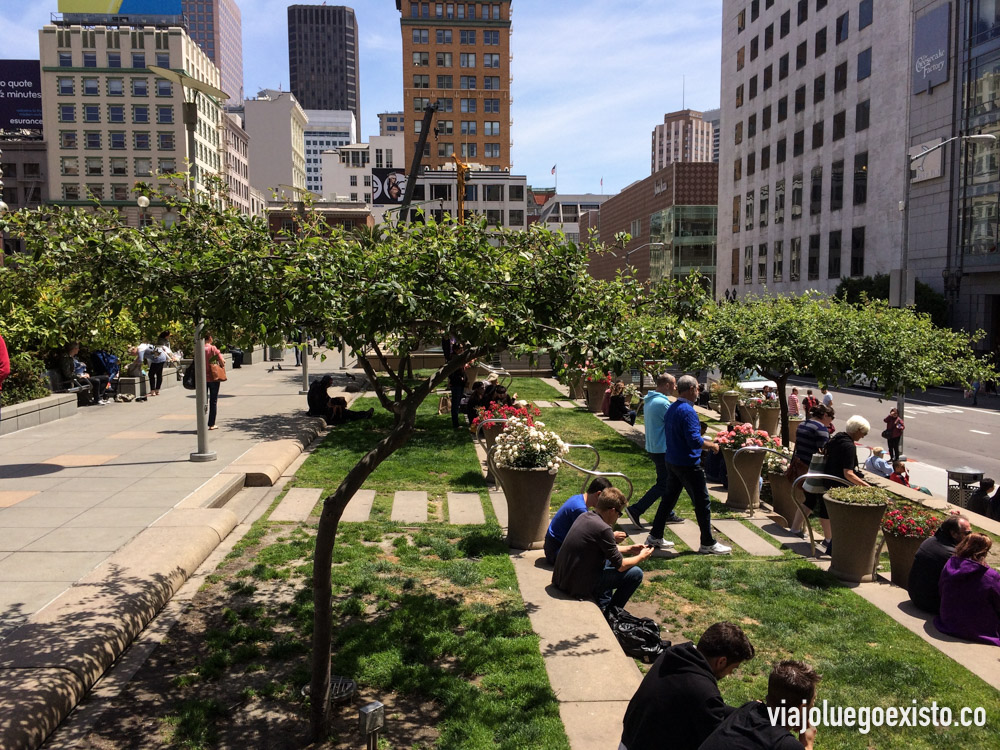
737,169
445,104
777,272
858,251
864,14
67,139
467,36
839,124
491,106
769,36
491,127
515,217
164,88
141,141
90,59
751,163
780,151
833,256
140,87
354,180
837,185
800,99
494,217
116,140
798,143
92,140
114,59
467,83
467,60
840,77
165,141
143,166
754,48
443,59
819,88
71,192
794,258
754,10
138,60
779,202
737,202
69,166
820,44
67,113
785,24
65,86
446,150
740,58
116,87
421,59
768,76
491,83
765,157
420,36
493,193
118,167
783,67
491,150
735,267
816,192
442,36
782,108
95,166
163,59
803,12
861,114
468,127
91,87
422,81
65,59
739,96
843,27
119,192
748,264
801,55
91,112
490,38
467,105
817,134
797,196
748,219
165,115
812,263
491,60
860,179
864,64
140,113
741,21
751,126
764,211
762,263
420,103
765,118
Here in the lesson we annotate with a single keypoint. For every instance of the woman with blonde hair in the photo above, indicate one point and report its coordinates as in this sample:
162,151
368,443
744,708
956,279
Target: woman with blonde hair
970,593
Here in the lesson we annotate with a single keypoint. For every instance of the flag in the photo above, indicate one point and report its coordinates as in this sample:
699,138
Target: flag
553,169
602,182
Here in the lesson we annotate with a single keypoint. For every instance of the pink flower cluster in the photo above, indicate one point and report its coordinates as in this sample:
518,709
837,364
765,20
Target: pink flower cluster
743,435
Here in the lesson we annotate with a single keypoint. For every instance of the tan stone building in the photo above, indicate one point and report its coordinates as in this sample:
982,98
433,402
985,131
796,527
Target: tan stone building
276,125
458,54
111,122
683,136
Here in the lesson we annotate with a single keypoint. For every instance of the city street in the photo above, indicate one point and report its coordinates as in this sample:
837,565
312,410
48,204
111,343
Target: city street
943,430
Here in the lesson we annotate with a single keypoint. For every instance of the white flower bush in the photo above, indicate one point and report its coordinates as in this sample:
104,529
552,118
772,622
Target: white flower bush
524,446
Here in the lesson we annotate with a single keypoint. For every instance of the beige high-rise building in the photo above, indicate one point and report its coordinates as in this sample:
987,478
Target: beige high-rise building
458,54
684,136
276,125
111,122
237,167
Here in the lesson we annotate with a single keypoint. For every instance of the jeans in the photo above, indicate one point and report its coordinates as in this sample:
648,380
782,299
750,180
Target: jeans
213,400
155,375
551,548
457,394
659,489
692,479
623,584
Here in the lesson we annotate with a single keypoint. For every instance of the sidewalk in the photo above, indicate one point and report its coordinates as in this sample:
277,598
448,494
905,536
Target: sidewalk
103,517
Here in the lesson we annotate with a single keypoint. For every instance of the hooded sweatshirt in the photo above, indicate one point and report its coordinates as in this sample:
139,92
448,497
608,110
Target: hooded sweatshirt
677,705
970,601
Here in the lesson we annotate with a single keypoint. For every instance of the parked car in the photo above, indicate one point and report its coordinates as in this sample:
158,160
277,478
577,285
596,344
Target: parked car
751,380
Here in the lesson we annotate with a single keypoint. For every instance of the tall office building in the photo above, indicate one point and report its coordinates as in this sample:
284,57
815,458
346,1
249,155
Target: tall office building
111,122
813,152
458,54
276,125
684,136
714,118
390,123
327,129
217,27
323,57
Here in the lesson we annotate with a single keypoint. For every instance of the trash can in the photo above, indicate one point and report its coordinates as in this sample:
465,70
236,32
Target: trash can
237,358
962,482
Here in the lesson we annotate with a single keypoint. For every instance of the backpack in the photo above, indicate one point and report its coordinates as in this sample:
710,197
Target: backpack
188,380
639,637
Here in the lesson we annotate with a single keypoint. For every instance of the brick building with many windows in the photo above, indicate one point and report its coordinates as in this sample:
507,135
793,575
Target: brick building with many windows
813,145
458,54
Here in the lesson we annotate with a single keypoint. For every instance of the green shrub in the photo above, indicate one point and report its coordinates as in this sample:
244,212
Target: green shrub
857,495
26,381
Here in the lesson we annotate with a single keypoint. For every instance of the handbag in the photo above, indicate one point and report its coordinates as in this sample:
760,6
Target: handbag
639,637
188,380
216,371
817,465
886,433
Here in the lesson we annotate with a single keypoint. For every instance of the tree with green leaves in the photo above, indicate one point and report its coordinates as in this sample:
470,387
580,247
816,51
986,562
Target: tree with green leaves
780,336
926,300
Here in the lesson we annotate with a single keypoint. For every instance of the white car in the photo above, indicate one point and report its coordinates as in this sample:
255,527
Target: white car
754,381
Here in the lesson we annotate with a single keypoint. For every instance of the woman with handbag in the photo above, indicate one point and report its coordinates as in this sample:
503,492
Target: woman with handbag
215,373
893,432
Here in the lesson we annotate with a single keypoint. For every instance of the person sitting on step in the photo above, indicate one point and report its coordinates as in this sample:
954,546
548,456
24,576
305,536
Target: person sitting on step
567,514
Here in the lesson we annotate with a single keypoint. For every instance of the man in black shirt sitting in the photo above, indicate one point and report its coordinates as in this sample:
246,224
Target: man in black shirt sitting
678,704
791,692
930,560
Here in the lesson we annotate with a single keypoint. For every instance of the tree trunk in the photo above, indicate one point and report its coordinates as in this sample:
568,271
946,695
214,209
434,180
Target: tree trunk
781,382
333,509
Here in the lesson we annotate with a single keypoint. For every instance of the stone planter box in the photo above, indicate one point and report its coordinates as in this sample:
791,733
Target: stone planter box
767,420
254,356
744,479
528,492
36,412
727,406
855,531
595,394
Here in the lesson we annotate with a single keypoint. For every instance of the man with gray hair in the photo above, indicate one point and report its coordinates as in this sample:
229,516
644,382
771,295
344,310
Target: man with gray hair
684,444
656,405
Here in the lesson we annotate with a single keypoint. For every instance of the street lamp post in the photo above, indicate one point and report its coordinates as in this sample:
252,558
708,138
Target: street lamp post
143,203
951,279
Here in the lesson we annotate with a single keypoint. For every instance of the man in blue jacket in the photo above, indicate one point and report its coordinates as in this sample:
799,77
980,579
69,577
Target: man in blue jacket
568,512
684,444
656,404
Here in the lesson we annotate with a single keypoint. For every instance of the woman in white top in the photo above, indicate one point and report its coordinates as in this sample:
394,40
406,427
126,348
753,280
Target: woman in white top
157,355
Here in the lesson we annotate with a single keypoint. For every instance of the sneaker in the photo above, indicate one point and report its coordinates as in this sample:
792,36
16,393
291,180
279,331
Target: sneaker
652,541
104,401
714,549
633,516
827,546
674,518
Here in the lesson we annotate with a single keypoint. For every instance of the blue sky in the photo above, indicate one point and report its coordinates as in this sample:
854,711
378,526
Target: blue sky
591,77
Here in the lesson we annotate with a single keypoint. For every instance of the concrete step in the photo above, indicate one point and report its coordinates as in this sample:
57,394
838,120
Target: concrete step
360,507
499,503
297,504
409,506
465,508
544,404
745,538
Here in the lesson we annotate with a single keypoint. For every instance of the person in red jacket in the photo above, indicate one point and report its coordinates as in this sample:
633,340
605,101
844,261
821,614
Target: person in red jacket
4,365
893,432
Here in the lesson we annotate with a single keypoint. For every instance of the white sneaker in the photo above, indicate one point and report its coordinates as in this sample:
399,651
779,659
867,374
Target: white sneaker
715,549
652,541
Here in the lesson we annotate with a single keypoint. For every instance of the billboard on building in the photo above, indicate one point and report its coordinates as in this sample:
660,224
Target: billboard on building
931,49
20,94
122,7
388,186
